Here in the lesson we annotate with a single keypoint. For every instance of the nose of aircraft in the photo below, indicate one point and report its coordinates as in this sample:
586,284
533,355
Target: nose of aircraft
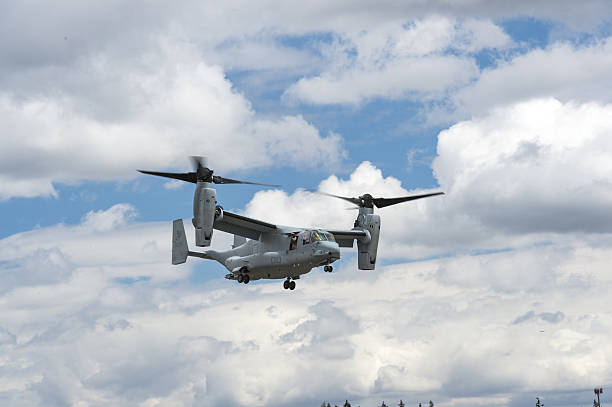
330,250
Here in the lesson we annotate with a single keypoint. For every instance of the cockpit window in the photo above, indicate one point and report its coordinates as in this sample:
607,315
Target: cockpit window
306,237
318,236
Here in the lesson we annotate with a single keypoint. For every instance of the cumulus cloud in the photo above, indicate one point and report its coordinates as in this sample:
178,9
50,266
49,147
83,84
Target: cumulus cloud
75,28
584,78
514,177
104,220
77,104
523,168
106,241
365,336
175,103
434,59
396,60
324,337
419,77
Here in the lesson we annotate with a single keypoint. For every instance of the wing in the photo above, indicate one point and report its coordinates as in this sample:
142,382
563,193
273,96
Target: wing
345,237
243,226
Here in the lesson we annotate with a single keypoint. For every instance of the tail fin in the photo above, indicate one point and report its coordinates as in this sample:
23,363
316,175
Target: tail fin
238,241
180,250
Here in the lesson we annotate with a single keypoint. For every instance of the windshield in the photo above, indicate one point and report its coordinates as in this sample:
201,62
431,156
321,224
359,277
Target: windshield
318,235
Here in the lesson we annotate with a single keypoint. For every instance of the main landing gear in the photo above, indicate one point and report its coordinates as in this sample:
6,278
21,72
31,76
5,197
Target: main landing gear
288,284
243,277
328,269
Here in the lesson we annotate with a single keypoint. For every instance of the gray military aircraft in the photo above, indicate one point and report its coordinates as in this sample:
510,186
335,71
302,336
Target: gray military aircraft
262,250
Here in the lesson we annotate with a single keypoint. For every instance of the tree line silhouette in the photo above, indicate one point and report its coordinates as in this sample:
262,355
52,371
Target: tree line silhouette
539,403
400,404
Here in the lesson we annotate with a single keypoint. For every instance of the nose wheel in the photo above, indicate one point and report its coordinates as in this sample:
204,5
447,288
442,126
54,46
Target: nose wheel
289,285
328,269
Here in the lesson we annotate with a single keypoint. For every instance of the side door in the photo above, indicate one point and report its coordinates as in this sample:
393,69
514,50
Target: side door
291,253
305,247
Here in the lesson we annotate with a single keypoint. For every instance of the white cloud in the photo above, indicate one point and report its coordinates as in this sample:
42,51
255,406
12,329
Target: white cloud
308,209
74,28
27,188
393,61
105,220
86,106
409,78
514,177
537,166
396,61
563,71
55,57
175,102
174,184
263,54
474,35
365,336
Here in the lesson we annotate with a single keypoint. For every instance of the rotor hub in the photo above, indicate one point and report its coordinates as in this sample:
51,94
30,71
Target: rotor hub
366,201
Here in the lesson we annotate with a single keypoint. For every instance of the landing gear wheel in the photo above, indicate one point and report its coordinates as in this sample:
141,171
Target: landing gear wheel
240,278
292,285
330,269
246,279
286,284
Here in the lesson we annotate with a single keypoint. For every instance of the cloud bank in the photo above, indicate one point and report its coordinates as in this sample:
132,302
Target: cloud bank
70,319
514,177
399,60
77,299
154,117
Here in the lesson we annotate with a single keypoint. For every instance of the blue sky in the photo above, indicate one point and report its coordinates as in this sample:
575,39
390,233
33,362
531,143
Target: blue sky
504,108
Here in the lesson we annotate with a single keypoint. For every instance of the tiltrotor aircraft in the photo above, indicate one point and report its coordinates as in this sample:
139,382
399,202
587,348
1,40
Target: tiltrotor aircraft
262,250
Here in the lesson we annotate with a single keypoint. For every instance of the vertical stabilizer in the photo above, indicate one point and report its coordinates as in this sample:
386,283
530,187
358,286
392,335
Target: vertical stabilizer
238,241
180,249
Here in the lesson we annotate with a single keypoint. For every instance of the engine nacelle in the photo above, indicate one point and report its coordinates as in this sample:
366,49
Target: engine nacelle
204,208
367,248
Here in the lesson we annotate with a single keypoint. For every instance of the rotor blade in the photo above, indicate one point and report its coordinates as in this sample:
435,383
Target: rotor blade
355,201
222,180
196,161
184,176
382,202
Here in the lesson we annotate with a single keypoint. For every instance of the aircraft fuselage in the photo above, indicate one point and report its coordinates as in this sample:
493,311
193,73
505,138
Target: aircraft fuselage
261,259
